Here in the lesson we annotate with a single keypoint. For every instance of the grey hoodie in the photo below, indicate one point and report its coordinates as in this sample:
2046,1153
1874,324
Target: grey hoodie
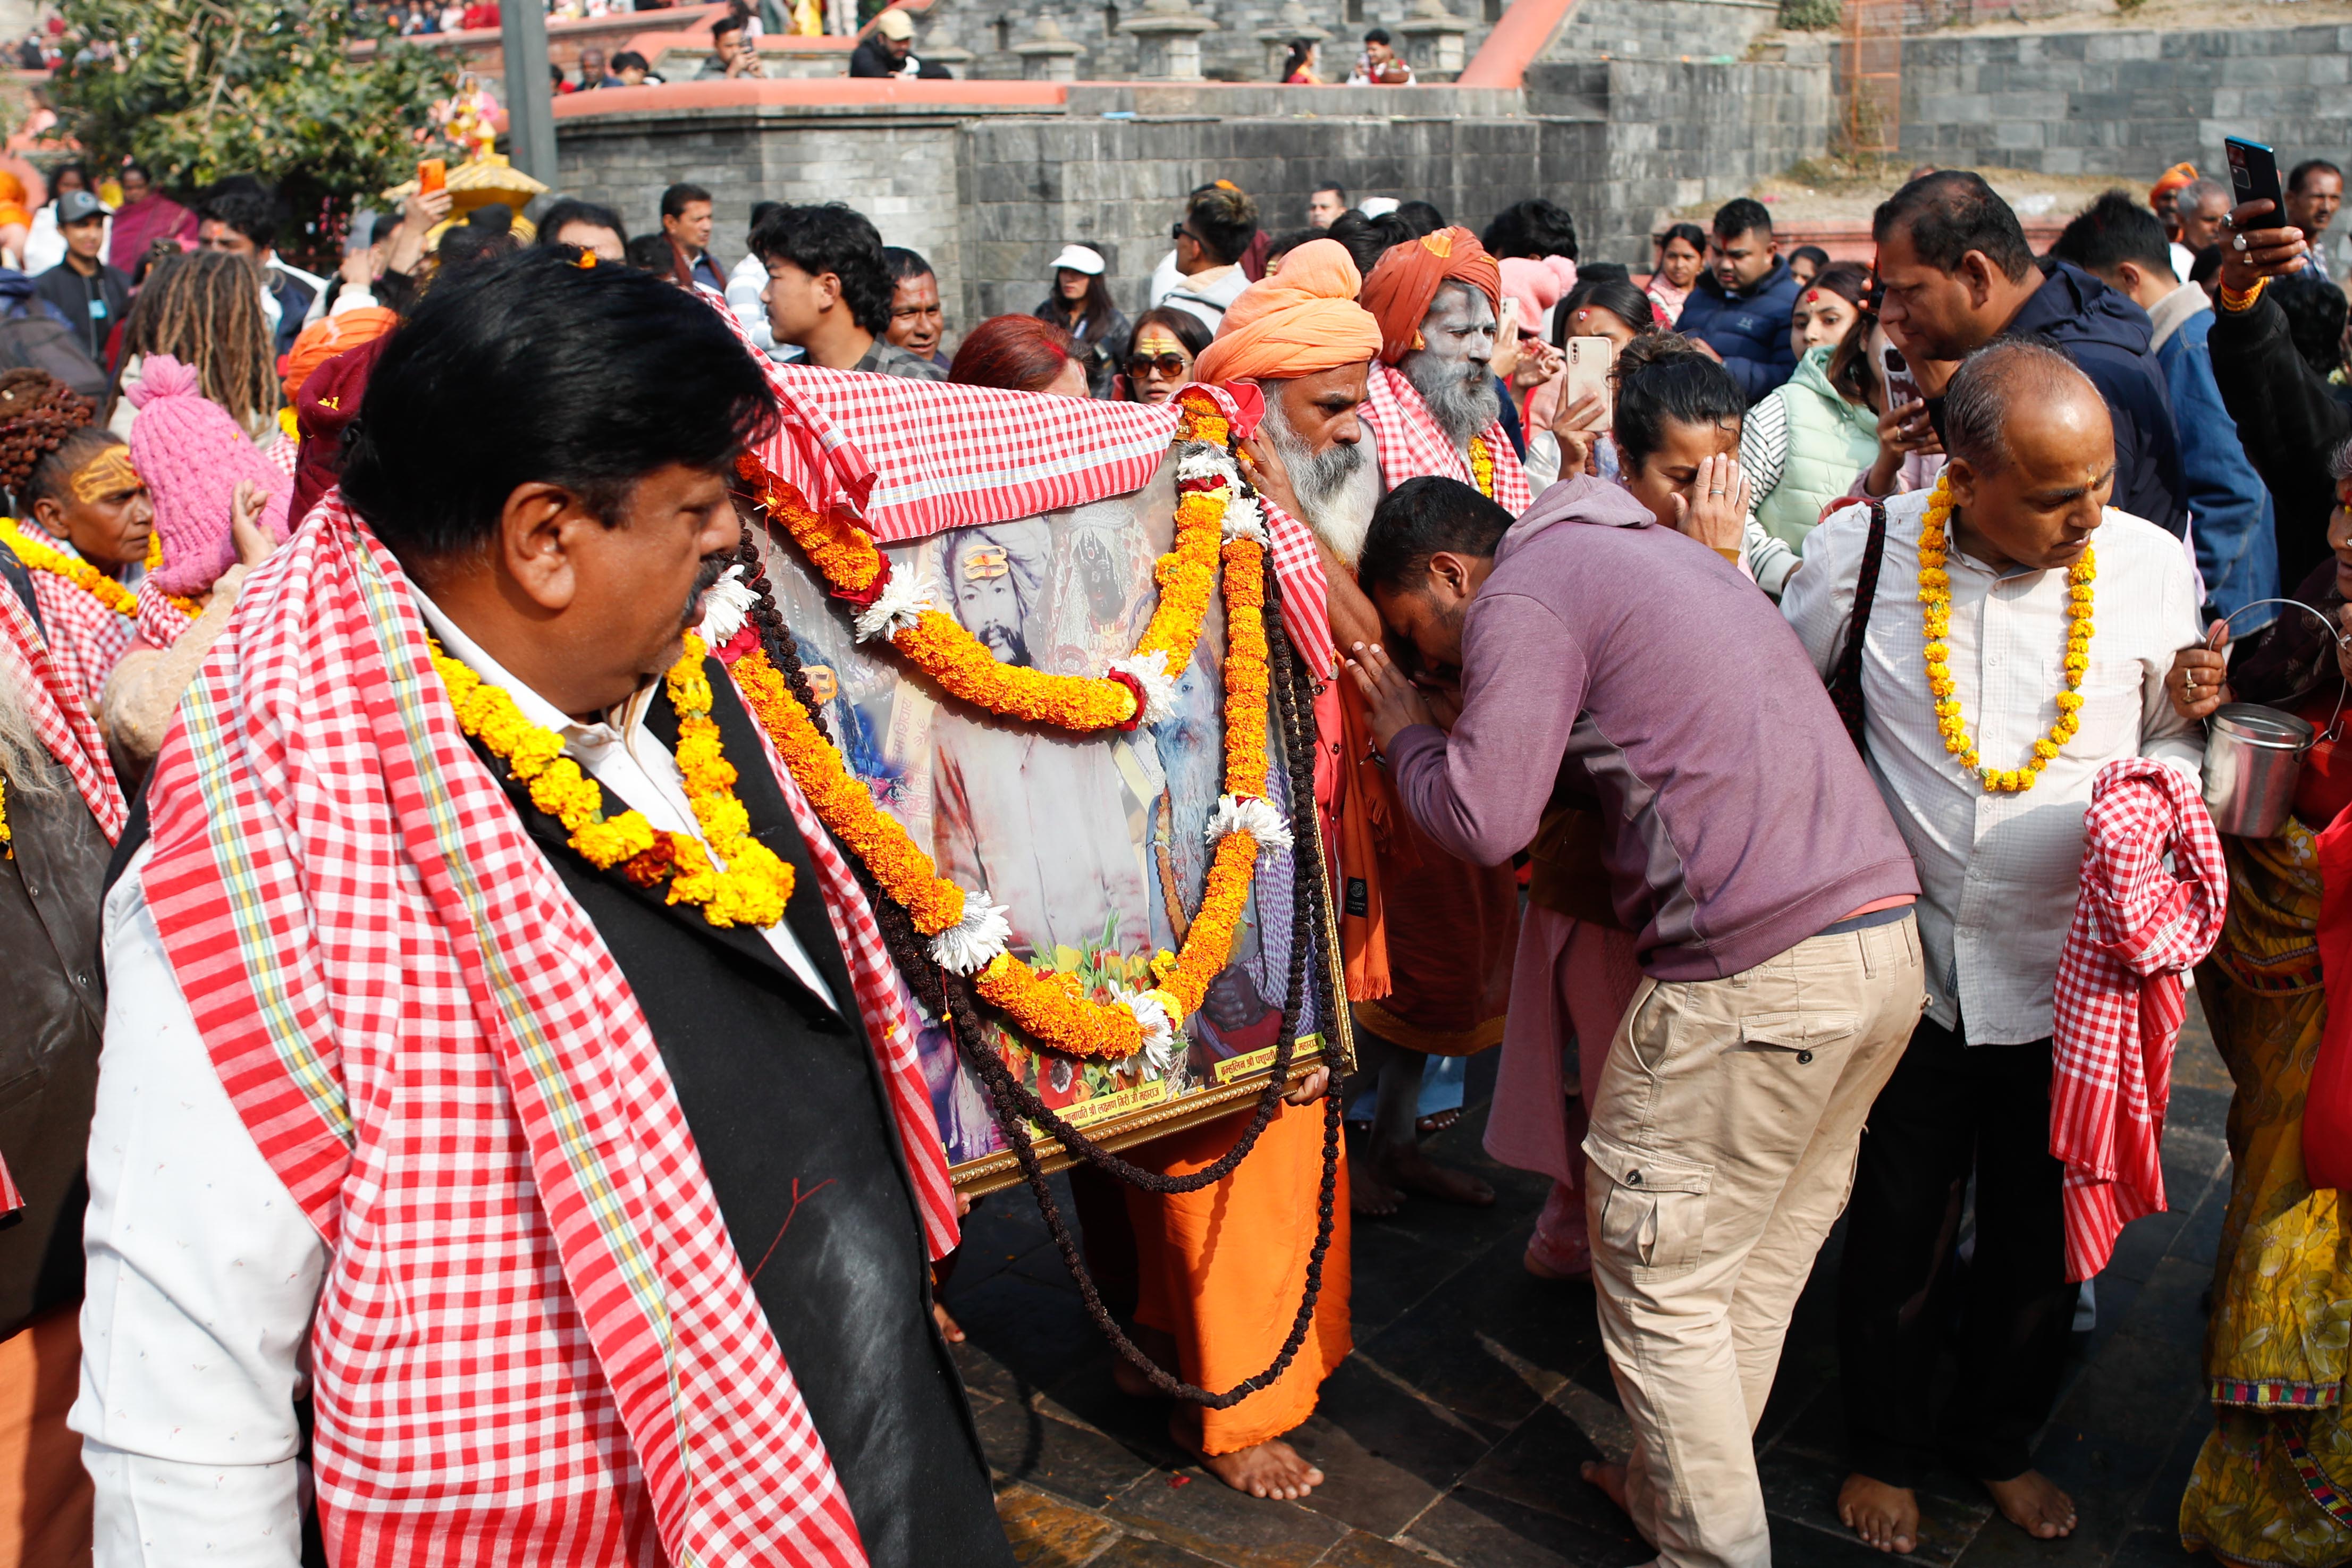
1616,662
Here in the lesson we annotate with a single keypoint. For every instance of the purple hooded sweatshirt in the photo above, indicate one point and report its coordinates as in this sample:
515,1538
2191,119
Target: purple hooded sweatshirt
1617,662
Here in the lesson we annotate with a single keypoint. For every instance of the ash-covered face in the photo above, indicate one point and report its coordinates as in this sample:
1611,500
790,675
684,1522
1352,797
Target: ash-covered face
1454,368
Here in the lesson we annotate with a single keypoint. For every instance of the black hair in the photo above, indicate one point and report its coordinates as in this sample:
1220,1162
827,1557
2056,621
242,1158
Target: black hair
1377,35
761,209
246,205
1813,253
1621,296
588,378
2207,266
1949,214
1223,218
487,233
1337,189
1742,215
1666,380
901,262
2315,311
1533,229
1420,217
1368,239
1282,244
733,22
1849,280
572,210
626,58
2111,231
655,252
831,239
1418,519
2309,167
1301,51
674,199
1690,234
1181,324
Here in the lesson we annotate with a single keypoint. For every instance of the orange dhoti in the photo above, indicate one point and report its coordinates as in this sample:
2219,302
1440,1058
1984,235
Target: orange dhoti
1452,930
1222,1269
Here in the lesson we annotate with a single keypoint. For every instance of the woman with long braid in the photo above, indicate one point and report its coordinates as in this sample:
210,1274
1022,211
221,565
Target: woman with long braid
204,310
82,520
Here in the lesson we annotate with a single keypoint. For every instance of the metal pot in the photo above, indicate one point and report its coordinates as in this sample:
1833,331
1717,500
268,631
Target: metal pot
2253,755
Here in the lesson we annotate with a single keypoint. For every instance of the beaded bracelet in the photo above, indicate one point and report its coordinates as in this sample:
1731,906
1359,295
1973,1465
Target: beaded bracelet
2235,303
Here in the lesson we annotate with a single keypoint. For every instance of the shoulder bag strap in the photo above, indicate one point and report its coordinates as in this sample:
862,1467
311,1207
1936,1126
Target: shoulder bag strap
1845,679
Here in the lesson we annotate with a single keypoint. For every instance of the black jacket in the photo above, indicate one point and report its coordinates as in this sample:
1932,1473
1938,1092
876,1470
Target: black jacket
2108,336
869,59
1748,327
2291,424
92,307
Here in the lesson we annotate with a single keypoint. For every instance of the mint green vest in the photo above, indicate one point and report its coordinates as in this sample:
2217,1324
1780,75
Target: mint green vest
1830,441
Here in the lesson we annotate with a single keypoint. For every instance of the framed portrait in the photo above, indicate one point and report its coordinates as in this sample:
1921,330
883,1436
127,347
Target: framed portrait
1097,846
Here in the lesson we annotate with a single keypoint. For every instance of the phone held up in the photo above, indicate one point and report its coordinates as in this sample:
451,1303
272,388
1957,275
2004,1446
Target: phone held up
2254,177
1902,387
1589,360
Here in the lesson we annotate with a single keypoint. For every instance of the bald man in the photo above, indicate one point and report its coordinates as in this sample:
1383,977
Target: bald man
2033,469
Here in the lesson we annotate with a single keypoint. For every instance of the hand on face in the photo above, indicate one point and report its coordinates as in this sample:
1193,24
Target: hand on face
1715,511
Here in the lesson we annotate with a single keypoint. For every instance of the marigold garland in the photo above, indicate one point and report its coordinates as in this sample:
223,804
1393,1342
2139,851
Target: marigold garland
1482,466
1935,623
756,885
847,558
7,834
1046,1005
47,558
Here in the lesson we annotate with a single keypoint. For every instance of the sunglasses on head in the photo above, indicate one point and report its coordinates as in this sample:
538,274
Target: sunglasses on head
1166,364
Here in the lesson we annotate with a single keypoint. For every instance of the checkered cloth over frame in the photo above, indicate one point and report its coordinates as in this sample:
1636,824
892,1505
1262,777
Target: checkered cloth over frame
85,638
160,622
60,715
1411,445
535,1344
2119,999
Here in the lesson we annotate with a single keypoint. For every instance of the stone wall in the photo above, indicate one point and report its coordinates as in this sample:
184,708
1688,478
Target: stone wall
1661,29
991,29
2126,104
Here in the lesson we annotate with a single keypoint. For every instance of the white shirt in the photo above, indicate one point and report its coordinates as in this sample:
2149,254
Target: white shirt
203,1273
2000,873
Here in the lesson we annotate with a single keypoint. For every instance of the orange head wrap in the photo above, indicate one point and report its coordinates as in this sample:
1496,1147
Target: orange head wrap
323,339
2172,179
1406,278
1302,319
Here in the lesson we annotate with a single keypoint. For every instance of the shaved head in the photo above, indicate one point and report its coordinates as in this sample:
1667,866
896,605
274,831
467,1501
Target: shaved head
2032,456
2011,378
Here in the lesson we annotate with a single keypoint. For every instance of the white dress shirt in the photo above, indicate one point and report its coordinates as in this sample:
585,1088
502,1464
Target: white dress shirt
204,1274
2000,873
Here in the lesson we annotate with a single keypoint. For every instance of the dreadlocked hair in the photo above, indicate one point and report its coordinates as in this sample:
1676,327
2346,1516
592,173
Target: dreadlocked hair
45,433
204,309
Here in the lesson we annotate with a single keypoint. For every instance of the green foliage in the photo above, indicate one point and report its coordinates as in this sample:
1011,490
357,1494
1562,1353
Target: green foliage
1811,16
200,88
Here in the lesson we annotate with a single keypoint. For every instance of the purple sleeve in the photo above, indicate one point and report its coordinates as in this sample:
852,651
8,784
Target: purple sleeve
1481,793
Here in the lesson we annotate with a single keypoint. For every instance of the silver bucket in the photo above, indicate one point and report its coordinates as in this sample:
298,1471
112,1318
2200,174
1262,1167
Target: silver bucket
2254,755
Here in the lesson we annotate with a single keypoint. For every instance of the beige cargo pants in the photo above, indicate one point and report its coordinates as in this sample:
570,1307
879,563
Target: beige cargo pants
1723,1143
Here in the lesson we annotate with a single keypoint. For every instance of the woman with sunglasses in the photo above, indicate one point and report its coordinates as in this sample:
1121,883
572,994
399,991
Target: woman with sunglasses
1159,355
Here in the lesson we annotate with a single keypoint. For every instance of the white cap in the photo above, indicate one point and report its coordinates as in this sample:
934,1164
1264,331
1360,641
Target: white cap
895,24
1078,259
1378,206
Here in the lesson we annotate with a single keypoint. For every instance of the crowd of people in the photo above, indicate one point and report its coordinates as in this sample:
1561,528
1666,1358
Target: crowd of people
451,955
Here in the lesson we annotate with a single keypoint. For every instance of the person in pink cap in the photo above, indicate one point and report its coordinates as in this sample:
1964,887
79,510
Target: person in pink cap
220,508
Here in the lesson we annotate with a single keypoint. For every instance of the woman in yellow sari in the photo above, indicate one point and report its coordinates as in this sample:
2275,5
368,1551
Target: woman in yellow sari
2272,1485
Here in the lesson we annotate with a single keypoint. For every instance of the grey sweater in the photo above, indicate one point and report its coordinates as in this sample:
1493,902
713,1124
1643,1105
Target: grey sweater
1611,661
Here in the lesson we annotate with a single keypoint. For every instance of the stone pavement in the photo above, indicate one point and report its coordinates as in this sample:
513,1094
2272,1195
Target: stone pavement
1452,1435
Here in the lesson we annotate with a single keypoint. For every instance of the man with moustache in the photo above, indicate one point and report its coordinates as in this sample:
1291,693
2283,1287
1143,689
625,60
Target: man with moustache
1451,927
496,1042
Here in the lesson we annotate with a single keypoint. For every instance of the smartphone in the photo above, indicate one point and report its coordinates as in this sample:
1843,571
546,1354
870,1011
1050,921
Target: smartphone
432,174
1902,387
2254,177
1589,360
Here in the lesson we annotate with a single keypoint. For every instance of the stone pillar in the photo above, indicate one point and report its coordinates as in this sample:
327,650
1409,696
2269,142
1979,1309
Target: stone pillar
1432,41
1049,56
1292,23
1168,40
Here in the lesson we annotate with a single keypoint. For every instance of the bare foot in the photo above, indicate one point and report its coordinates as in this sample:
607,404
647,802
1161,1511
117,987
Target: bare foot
1272,1470
950,1329
1437,1121
1885,1517
2033,1503
1367,1193
1610,1479
1415,1172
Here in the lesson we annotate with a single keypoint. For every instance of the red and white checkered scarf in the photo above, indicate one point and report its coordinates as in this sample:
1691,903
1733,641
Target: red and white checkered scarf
2138,927
1411,445
535,1344
60,715
160,622
86,639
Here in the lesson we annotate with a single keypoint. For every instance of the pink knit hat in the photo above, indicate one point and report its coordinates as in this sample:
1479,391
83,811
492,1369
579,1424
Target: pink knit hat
1538,285
191,454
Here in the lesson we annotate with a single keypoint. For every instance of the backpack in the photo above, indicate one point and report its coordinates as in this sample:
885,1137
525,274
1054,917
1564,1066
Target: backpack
35,338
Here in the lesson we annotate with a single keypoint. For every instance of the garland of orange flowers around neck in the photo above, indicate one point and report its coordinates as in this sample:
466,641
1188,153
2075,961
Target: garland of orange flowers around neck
1140,689
968,934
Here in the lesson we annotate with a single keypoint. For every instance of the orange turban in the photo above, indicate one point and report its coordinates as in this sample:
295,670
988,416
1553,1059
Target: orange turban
1406,278
2172,179
323,339
1302,319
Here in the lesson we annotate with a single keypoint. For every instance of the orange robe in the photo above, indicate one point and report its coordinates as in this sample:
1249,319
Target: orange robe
1223,1269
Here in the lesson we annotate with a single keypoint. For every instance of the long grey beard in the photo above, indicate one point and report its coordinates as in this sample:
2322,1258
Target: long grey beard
1336,489
24,760
1462,404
